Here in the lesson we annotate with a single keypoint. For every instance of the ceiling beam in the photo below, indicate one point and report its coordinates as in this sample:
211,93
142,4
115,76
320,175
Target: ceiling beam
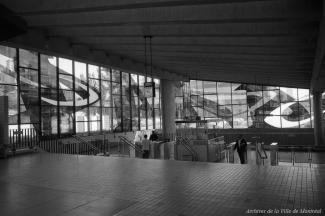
36,40
63,24
202,29
115,5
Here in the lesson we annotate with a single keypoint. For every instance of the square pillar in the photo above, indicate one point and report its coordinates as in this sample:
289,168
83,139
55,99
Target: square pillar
4,137
318,119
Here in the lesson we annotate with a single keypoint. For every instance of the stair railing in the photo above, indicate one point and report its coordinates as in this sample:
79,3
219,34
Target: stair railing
130,144
87,143
186,143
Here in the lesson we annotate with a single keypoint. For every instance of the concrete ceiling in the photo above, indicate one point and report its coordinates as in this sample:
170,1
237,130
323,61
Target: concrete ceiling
270,42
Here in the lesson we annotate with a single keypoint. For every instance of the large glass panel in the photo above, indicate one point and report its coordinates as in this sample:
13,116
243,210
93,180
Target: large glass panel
115,75
29,114
117,119
94,126
93,71
82,114
157,119
240,116
271,101
48,71
11,92
65,98
238,94
116,100
94,113
29,99
80,72
288,95
8,65
224,93
106,93
157,99
225,112
272,121
65,66
66,119
105,73
150,117
94,92
125,84
143,114
116,88
290,115
126,118
66,82
135,118
210,106
49,96
210,87
304,114
28,59
81,127
179,108
106,119
196,87
49,120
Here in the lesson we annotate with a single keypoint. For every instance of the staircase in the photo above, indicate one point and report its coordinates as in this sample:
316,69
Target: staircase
192,156
133,150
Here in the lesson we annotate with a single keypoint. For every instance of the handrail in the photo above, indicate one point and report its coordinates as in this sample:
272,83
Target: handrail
184,142
217,139
162,142
80,139
125,140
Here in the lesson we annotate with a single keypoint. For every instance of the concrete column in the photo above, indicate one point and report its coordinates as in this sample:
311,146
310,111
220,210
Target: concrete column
4,137
318,121
168,108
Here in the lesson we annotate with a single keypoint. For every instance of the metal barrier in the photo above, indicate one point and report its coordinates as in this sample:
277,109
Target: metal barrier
289,154
22,139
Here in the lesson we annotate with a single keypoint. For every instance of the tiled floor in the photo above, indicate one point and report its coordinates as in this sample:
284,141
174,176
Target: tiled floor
49,184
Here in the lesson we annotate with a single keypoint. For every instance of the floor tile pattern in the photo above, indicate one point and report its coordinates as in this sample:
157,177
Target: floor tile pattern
51,184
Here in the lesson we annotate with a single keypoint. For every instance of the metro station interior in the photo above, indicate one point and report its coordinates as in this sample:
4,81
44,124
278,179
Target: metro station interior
83,83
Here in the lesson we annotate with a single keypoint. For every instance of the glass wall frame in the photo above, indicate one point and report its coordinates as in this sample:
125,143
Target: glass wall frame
47,93
240,105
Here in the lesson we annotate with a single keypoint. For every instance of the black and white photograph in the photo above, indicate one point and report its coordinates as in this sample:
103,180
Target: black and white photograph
162,107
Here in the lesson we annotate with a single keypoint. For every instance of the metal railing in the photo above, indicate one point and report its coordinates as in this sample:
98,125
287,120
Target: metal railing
22,139
129,143
88,143
185,142
289,154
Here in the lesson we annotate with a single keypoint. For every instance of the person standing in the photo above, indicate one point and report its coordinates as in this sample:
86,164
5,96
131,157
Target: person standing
145,146
241,146
153,136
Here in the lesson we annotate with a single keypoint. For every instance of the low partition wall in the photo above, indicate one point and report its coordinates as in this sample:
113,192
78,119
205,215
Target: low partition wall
282,136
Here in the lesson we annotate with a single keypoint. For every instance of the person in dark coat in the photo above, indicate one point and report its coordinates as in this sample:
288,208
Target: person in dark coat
241,146
153,136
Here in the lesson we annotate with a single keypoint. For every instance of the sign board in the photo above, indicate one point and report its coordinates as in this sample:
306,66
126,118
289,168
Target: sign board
149,89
